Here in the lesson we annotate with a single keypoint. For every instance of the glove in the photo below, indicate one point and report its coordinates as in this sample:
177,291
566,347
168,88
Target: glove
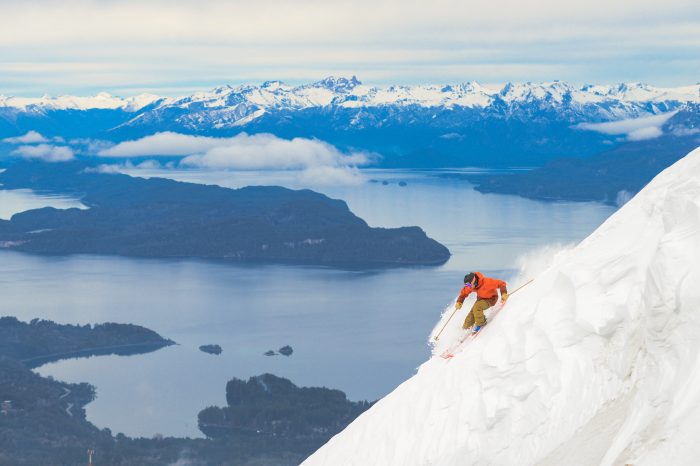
504,297
458,305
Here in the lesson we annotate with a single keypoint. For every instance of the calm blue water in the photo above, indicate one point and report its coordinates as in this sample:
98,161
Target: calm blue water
361,332
19,200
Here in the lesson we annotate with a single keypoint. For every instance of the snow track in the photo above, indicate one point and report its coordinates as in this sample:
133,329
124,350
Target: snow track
595,362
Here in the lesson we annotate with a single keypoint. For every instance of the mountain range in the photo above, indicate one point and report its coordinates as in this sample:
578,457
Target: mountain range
409,126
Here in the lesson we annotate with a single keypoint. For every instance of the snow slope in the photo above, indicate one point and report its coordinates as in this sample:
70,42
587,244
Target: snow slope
595,362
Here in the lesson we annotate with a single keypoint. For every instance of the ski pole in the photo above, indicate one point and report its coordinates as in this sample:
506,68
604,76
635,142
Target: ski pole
522,286
453,312
443,327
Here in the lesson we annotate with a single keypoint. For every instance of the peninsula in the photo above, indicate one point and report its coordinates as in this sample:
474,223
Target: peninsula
162,218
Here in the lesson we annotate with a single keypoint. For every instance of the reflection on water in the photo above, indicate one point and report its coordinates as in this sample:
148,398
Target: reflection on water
18,200
361,332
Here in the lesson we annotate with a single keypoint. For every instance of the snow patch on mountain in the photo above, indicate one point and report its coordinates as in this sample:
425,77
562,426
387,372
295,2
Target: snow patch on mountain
336,105
103,100
350,92
236,106
595,362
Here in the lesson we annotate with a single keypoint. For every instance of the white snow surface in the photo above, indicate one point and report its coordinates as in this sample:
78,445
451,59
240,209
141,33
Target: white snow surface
595,362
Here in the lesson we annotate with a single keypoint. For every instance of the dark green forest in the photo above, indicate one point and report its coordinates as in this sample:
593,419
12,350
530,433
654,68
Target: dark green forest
157,217
268,421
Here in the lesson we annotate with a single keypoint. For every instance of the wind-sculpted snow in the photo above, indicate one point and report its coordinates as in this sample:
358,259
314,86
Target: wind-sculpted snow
595,362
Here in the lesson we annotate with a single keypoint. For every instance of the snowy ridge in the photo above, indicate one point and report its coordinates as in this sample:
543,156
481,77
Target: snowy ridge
351,93
227,107
595,362
102,101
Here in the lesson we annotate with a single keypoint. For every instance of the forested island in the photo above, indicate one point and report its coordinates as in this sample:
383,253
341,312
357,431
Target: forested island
268,421
211,349
41,341
157,217
272,407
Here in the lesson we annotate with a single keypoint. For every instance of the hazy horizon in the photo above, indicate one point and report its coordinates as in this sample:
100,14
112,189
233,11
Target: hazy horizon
176,47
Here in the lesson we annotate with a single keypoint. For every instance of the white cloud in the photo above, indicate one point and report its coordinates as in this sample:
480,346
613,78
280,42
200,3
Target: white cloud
641,134
315,162
331,176
163,144
32,137
67,46
45,152
635,129
86,146
266,151
128,166
106,169
243,152
149,165
685,131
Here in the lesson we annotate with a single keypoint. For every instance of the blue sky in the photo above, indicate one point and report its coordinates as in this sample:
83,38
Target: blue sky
176,47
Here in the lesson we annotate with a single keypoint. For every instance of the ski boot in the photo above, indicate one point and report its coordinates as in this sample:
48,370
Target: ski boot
476,328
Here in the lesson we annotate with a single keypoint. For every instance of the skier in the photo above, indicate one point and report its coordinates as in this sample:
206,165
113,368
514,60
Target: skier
486,296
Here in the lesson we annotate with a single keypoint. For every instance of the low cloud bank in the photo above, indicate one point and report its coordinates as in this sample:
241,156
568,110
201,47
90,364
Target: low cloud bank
166,143
319,176
317,161
266,151
45,152
634,129
34,146
32,137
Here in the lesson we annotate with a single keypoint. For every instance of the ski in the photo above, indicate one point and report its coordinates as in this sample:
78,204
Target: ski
450,352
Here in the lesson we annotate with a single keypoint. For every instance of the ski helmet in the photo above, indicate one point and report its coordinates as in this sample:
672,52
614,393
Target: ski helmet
469,277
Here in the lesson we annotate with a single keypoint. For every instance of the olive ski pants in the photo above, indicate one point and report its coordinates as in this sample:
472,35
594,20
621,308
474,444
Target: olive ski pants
476,315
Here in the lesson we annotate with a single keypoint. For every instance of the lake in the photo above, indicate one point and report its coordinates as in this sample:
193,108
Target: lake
363,332
19,200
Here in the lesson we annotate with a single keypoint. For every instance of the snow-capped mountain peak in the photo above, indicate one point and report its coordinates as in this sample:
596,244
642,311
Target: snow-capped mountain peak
102,100
275,85
358,105
242,105
339,85
350,91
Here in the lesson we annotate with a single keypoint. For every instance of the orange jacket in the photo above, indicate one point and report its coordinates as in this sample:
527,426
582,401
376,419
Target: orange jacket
486,288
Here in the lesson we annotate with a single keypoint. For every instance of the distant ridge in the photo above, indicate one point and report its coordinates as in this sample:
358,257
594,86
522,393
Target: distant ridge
352,93
418,126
